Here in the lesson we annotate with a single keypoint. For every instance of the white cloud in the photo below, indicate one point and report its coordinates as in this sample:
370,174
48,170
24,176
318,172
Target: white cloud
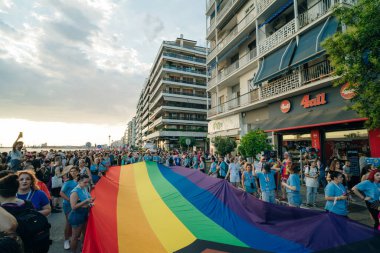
84,60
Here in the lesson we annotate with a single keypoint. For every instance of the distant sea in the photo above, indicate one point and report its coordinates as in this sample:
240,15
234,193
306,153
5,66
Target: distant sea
48,148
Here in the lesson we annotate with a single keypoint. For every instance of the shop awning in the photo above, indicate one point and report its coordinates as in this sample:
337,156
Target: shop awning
277,13
315,118
309,45
275,63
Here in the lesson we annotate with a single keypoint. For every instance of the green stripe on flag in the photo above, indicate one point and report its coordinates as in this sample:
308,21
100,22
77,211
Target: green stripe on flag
200,225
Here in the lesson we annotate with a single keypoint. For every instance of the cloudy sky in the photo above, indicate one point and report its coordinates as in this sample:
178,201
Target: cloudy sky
71,70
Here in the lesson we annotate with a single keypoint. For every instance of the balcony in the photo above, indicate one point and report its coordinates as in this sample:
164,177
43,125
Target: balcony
209,4
184,57
245,22
242,62
286,84
188,70
278,37
212,54
184,94
178,81
211,28
319,9
173,44
183,118
177,133
262,5
211,83
222,13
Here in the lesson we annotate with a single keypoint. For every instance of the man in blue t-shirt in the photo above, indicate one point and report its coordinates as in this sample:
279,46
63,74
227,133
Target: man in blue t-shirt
223,167
267,182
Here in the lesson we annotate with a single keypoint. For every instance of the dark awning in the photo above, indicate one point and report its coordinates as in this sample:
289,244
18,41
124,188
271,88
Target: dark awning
314,118
275,63
309,45
277,13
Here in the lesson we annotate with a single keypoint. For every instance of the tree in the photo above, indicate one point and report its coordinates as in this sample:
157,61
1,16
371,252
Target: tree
224,145
182,141
253,143
355,56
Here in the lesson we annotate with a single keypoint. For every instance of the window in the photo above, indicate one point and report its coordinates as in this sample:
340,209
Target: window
234,58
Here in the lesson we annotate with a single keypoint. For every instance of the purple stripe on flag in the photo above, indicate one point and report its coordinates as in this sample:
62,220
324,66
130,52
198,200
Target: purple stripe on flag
313,229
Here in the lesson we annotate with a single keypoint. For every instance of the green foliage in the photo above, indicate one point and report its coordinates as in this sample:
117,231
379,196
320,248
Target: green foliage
224,145
253,143
182,141
355,56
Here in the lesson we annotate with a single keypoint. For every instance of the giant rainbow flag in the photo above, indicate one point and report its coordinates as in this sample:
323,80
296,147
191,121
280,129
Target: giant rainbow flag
147,207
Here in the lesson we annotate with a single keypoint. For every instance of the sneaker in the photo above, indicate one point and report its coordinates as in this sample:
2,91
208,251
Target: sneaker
314,204
58,207
66,244
56,211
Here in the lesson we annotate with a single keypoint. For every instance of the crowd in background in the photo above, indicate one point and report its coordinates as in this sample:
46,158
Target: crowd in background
61,181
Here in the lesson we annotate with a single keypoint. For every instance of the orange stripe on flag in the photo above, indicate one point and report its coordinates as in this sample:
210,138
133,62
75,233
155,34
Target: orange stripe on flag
134,231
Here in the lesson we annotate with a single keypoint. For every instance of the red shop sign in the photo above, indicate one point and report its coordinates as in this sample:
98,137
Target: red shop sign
346,92
285,106
319,99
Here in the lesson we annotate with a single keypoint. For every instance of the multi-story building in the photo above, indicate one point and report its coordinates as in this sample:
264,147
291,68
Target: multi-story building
269,71
174,100
130,138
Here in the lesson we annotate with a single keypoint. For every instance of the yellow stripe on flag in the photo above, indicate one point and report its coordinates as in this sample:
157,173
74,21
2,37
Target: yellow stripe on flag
168,228
133,230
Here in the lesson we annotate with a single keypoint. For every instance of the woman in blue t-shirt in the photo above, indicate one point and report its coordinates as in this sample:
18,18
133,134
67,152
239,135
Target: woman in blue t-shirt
248,180
212,172
28,190
66,189
80,201
371,190
293,186
336,195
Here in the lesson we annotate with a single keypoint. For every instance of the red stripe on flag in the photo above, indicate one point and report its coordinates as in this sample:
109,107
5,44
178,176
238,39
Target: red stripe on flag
103,216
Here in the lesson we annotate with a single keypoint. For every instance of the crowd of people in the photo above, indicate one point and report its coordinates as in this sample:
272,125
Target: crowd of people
40,183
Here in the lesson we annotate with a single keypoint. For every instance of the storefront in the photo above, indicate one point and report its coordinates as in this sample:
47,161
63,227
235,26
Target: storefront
226,127
320,123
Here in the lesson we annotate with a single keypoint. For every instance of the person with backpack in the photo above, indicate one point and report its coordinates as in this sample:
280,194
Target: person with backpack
80,202
29,190
33,227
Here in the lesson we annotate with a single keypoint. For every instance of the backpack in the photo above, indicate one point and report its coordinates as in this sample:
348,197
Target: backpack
33,227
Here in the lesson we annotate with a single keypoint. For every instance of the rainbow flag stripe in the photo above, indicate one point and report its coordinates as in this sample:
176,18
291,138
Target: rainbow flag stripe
147,207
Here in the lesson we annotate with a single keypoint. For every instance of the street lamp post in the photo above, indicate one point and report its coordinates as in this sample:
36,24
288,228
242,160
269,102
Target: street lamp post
109,140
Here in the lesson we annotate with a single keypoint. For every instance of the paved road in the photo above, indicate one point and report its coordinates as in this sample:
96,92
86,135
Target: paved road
358,212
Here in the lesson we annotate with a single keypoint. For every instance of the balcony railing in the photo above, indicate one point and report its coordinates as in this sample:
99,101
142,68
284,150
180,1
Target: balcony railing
211,27
185,93
316,72
172,43
183,118
278,37
212,54
242,62
211,83
319,9
189,70
262,5
209,4
282,85
184,57
222,13
183,81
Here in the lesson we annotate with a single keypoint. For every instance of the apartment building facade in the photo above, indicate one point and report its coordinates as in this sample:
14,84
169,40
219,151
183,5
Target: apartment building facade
173,102
130,138
269,71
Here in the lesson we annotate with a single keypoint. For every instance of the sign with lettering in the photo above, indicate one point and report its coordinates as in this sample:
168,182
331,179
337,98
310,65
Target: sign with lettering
225,124
285,106
319,99
346,92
